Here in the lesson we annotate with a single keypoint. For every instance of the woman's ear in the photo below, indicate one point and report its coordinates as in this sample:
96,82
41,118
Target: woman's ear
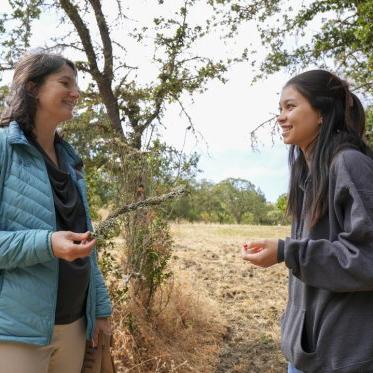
320,119
32,88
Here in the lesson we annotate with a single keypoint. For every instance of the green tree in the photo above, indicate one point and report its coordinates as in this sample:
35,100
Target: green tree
333,34
128,106
336,34
241,200
230,201
281,207
369,125
282,202
207,205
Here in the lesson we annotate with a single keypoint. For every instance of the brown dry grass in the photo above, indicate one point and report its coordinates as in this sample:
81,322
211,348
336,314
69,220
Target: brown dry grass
182,334
222,314
251,299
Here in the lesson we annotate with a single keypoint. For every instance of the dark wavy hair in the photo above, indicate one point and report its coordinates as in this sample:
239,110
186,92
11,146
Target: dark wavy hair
343,126
21,103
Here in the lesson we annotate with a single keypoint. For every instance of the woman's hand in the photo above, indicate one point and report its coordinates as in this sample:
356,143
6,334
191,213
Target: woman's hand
102,324
262,253
64,245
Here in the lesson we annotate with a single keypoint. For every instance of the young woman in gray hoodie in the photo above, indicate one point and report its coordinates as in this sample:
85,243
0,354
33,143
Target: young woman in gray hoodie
328,322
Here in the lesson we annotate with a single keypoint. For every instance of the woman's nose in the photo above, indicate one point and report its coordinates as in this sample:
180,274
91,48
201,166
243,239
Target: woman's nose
281,117
75,92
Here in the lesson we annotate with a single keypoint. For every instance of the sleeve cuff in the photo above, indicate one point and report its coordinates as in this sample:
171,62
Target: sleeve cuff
43,246
50,248
281,251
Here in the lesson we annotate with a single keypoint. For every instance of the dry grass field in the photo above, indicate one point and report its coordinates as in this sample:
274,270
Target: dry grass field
219,314
249,299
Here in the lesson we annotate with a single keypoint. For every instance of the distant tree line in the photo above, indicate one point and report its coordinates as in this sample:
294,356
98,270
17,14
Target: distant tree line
231,201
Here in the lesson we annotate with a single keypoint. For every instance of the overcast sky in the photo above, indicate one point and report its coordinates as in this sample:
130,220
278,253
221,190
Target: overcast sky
224,115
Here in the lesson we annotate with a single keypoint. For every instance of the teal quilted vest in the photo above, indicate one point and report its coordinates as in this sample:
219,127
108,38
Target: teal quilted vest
28,269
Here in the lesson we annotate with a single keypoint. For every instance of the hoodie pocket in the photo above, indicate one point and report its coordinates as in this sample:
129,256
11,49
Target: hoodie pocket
294,337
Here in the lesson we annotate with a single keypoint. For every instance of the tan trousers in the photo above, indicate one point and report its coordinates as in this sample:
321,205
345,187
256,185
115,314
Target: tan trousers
64,354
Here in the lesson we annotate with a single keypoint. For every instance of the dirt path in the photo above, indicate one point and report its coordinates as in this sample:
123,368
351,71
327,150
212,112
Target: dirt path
250,299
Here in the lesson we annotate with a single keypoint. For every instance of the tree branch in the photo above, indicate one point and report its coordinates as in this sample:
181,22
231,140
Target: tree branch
262,125
103,81
104,227
84,35
105,37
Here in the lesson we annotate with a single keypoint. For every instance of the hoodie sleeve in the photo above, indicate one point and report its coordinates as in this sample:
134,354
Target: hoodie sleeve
345,263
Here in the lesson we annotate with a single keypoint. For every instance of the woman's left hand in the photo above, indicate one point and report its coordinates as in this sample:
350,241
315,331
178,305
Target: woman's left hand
262,253
102,324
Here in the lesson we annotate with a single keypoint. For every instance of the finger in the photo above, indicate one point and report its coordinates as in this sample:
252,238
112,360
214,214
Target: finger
252,249
94,341
249,250
83,250
86,245
256,258
87,235
108,329
73,236
256,244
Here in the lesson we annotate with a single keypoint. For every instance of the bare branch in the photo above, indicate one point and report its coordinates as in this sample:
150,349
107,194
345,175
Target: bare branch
123,80
253,135
198,58
64,45
183,110
262,125
103,81
83,32
105,37
365,85
120,46
154,115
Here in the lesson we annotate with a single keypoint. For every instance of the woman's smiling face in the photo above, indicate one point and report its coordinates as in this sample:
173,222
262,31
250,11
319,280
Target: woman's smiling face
299,121
58,95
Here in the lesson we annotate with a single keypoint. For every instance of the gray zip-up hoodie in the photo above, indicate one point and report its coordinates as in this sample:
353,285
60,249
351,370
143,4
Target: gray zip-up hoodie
328,322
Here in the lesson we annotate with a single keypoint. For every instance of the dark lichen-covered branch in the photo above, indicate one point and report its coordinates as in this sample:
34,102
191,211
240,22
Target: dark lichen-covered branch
111,221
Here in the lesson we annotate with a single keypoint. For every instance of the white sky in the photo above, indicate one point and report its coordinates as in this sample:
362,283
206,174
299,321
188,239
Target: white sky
224,115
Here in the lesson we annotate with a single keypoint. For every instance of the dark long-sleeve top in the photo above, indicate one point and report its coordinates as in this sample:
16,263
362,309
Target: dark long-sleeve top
73,277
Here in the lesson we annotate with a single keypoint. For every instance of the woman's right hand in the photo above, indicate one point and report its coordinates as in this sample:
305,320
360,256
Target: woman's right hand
64,245
262,253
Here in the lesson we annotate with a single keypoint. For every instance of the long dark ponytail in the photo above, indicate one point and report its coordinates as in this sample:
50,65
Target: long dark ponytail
343,125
